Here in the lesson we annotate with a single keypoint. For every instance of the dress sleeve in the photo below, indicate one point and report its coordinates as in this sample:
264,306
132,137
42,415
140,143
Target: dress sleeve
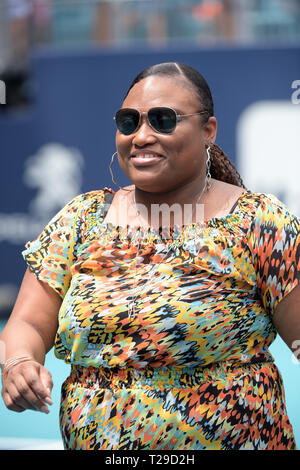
52,254
274,241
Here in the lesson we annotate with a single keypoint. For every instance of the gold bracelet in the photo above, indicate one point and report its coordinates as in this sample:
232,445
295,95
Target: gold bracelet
11,360
10,363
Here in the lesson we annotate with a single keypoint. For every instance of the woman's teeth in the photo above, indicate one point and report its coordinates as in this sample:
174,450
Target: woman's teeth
147,155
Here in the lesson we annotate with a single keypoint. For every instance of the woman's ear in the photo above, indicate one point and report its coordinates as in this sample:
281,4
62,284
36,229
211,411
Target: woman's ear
210,130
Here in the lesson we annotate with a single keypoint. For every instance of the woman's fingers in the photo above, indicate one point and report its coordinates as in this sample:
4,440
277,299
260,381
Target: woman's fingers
47,382
40,382
27,398
24,387
15,392
10,404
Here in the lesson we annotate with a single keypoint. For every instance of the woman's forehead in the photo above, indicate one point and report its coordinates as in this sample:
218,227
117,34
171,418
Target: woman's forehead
157,90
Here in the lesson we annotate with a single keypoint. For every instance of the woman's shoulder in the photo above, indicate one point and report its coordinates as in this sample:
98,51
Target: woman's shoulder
227,198
84,204
263,201
91,198
256,206
229,194
265,212
96,194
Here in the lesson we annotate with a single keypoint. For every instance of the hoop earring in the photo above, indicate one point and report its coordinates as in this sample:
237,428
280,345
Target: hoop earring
208,165
111,172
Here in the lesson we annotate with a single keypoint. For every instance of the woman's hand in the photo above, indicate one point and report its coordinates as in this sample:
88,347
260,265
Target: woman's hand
27,336
27,386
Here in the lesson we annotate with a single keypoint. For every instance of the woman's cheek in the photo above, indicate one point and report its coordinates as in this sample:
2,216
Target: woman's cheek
123,146
122,164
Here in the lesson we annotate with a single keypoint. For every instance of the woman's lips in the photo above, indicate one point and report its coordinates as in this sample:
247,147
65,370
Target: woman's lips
145,159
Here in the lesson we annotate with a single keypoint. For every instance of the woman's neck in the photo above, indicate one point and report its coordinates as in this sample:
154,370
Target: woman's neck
175,207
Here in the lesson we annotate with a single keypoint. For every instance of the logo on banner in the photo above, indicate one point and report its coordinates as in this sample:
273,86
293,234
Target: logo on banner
55,171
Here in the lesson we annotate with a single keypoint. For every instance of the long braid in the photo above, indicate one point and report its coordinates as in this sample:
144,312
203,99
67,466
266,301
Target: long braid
222,168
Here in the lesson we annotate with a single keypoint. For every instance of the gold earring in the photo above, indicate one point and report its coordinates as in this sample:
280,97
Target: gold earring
111,172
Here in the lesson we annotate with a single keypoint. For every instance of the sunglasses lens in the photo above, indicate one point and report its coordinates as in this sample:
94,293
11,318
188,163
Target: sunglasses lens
127,120
162,119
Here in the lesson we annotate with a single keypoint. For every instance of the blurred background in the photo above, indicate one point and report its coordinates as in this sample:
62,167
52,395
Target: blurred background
65,66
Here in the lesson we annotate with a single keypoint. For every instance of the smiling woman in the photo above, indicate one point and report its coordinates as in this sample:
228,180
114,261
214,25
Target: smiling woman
177,162
167,325
169,128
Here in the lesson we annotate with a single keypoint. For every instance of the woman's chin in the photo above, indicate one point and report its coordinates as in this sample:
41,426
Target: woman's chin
147,181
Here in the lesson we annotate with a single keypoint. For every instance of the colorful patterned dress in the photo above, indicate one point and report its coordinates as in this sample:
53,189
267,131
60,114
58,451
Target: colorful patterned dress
191,368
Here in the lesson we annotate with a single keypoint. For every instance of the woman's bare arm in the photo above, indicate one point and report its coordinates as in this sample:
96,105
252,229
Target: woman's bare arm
30,331
286,319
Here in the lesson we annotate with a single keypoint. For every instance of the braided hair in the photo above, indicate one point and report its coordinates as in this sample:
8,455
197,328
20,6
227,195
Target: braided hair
221,167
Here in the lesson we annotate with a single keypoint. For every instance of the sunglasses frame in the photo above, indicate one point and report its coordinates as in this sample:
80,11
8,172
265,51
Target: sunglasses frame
178,118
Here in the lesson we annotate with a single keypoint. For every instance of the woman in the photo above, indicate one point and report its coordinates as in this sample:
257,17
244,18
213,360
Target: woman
166,325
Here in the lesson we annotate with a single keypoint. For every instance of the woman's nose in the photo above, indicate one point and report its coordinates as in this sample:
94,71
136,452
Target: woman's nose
144,134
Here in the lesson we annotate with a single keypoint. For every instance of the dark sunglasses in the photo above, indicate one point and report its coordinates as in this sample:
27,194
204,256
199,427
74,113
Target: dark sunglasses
161,119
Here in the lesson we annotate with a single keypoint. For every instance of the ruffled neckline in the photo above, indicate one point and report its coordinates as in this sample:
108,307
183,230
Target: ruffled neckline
225,220
232,225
